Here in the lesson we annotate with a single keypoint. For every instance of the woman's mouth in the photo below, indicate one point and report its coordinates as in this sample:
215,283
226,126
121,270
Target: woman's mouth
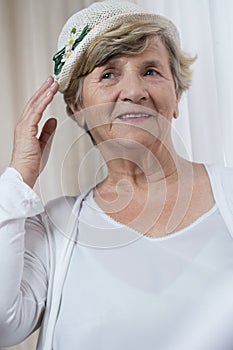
134,117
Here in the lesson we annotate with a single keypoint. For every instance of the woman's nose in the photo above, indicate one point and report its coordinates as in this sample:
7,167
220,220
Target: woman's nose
132,89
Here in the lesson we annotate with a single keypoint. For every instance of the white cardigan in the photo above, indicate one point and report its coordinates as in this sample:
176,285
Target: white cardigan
222,186
61,240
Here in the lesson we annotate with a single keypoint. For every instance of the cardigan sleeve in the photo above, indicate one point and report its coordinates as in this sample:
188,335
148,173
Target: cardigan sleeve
222,185
24,259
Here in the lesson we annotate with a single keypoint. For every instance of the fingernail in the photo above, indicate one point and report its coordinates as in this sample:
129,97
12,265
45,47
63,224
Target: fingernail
53,86
50,78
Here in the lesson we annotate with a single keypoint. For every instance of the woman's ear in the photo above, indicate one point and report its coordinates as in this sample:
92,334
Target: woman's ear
78,115
176,112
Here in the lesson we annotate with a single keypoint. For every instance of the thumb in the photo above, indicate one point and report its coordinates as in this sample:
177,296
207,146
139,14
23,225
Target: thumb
46,139
47,133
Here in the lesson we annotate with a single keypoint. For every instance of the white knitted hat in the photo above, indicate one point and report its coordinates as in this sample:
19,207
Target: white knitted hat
84,26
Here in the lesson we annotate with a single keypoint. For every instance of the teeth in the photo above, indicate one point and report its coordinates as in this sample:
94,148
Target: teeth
128,116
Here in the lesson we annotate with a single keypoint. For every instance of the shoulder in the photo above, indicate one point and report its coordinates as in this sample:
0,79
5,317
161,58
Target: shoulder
224,173
57,212
221,178
59,204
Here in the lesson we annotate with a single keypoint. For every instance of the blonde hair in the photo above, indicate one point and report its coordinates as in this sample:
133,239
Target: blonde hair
128,39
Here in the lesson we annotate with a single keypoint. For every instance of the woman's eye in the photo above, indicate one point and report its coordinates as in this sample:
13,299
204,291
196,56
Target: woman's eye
151,72
107,76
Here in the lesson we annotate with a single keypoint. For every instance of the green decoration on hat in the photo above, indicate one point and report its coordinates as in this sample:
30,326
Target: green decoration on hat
61,56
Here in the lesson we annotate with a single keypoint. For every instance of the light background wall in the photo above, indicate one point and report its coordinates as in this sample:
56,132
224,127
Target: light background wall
29,32
28,35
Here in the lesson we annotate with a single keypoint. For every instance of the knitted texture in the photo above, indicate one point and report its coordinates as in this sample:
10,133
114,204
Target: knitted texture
101,17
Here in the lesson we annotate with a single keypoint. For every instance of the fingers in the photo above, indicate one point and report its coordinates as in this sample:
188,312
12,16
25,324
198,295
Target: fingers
39,101
27,150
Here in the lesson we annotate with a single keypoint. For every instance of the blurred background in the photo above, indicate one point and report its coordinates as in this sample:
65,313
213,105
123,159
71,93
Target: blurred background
203,132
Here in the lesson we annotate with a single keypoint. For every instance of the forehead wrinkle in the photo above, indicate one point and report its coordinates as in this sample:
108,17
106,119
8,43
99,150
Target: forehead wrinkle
152,63
155,48
117,61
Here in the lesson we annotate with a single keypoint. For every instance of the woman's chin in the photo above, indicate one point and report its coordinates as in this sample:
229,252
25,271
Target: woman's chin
127,143
135,137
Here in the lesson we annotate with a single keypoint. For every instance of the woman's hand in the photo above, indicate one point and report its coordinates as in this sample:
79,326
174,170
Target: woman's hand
30,153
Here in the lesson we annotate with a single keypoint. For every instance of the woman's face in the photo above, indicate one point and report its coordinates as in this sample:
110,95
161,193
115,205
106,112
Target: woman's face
124,96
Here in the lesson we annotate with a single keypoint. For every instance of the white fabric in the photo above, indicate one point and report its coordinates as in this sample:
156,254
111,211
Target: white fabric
152,293
50,251
205,124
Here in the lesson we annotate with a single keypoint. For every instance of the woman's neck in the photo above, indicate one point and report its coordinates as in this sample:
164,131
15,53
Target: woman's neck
141,166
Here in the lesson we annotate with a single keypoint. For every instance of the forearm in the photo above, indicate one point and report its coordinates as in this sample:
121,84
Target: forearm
17,202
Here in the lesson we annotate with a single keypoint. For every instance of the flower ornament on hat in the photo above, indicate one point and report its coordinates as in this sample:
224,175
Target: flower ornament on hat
61,57
82,28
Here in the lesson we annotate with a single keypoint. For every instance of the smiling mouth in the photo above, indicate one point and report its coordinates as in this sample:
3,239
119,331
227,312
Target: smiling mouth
134,116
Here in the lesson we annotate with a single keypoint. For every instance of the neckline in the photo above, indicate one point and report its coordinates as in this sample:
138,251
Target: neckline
162,238
173,235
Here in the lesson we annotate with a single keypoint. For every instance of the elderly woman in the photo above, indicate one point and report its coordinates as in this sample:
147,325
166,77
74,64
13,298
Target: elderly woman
144,260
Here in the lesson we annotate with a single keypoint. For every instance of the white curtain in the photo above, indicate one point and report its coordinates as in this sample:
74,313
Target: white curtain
28,35
206,112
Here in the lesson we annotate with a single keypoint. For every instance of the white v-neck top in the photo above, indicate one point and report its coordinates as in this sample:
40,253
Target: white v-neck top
96,284
127,291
